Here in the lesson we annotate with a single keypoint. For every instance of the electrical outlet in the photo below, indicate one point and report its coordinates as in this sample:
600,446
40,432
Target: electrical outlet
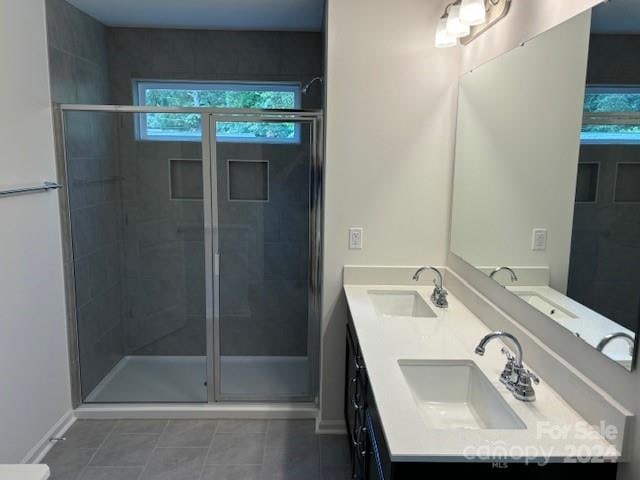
355,238
539,239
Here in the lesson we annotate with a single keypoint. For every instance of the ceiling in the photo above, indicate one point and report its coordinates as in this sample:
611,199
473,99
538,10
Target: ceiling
297,15
617,17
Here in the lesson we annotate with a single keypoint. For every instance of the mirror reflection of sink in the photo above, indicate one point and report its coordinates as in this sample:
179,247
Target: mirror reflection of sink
455,394
546,306
400,303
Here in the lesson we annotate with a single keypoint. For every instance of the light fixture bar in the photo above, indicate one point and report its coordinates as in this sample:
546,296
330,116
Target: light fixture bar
496,11
464,20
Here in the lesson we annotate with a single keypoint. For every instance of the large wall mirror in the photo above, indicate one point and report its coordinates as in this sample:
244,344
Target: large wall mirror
547,175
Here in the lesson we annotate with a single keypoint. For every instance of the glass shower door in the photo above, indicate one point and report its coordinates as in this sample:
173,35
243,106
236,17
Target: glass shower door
135,198
261,171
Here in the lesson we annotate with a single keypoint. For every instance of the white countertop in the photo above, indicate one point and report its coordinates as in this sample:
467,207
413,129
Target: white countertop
589,324
453,335
24,472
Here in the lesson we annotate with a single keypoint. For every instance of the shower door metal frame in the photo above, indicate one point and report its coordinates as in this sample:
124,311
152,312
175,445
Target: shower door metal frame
208,118
316,180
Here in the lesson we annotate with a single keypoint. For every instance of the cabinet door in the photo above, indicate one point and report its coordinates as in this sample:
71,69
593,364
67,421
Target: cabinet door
350,389
374,468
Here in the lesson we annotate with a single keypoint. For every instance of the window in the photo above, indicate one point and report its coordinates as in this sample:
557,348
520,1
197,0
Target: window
611,100
186,127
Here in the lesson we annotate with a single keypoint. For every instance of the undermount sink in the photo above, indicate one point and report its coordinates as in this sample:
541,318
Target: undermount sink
546,306
400,303
455,394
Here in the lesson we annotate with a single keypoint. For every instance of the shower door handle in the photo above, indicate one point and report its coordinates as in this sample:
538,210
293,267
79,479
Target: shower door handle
216,265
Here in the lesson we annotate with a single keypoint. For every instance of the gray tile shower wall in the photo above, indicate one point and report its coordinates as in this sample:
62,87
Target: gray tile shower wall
79,74
613,60
264,245
164,249
264,254
77,55
213,55
138,254
604,271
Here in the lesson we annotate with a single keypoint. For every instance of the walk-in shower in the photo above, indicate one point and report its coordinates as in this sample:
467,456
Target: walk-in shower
193,253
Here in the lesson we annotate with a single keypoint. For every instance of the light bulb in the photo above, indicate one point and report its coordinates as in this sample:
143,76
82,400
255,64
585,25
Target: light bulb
473,12
454,27
443,39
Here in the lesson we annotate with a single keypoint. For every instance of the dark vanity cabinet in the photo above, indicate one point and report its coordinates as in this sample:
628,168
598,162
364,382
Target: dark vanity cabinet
354,406
370,455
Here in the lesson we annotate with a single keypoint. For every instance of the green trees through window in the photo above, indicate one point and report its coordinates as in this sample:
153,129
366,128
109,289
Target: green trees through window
186,126
611,100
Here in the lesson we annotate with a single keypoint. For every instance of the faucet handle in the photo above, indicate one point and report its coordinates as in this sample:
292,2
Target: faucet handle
528,374
508,377
439,297
507,353
522,389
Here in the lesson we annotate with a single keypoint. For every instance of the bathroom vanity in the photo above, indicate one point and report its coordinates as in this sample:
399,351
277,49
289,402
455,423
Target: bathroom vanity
419,403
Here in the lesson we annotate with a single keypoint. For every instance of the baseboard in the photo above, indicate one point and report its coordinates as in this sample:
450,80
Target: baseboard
330,427
38,452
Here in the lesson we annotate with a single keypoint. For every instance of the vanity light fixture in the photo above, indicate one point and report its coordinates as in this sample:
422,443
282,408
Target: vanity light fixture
473,12
463,20
443,39
455,27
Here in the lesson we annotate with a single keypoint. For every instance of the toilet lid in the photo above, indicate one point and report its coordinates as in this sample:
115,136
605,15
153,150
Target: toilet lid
24,472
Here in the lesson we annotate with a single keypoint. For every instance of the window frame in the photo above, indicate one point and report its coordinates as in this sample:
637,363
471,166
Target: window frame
611,89
140,85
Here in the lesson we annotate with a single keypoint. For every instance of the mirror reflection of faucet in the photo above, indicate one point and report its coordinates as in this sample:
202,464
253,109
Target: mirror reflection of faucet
513,276
605,341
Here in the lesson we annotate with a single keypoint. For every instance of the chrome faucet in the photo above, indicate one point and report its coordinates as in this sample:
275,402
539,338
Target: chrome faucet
515,377
439,295
605,341
514,277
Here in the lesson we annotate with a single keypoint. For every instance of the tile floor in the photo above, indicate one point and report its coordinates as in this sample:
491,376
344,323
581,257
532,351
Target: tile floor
198,450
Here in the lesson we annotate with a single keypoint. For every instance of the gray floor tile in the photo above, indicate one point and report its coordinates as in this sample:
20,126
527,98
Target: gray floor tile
232,472
188,433
334,451
336,473
140,426
125,450
178,449
111,473
294,471
295,433
236,449
67,463
241,426
175,464
87,433
292,455
291,427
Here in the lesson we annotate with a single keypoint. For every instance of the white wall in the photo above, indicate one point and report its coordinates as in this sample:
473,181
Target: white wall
527,18
390,121
517,147
34,373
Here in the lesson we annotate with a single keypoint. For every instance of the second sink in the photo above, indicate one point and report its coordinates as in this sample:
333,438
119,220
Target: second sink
545,305
400,303
455,394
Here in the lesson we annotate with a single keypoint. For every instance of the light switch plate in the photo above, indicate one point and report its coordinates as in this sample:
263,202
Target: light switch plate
355,238
539,239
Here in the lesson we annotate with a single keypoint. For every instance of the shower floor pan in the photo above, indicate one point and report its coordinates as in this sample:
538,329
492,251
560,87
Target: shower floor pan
181,379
